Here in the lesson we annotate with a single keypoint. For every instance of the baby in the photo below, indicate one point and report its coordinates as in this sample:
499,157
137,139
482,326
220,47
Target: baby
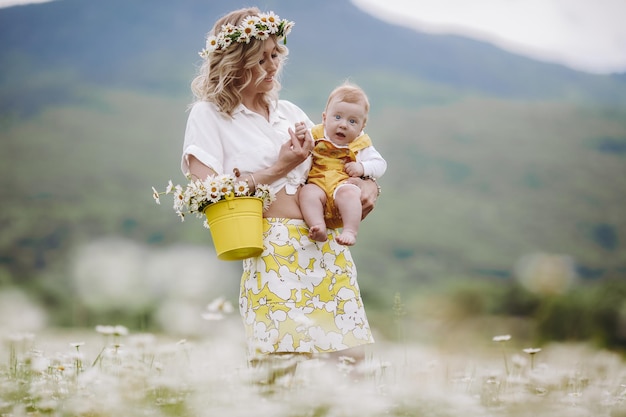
341,151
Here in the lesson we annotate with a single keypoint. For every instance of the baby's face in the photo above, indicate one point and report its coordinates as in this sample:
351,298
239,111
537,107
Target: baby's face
344,121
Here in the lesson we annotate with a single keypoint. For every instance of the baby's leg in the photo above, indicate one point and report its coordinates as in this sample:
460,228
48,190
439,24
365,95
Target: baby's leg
348,202
312,200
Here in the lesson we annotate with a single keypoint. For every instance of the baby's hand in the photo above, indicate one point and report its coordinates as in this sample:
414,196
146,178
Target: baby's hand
300,130
354,169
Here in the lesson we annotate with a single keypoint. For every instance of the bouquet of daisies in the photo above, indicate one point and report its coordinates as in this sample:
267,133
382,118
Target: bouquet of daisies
198,194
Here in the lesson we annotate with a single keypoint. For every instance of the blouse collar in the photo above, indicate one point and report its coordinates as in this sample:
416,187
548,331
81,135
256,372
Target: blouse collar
274,116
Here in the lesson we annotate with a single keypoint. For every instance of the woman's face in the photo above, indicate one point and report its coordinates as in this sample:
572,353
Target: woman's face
265,71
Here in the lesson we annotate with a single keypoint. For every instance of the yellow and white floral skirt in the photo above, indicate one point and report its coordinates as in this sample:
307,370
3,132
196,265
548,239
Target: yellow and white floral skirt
300,295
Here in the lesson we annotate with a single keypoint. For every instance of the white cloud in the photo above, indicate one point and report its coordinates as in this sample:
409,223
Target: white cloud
9,3
583,34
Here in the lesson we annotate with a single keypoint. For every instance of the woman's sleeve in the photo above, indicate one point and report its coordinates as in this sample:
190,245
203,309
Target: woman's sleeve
202,138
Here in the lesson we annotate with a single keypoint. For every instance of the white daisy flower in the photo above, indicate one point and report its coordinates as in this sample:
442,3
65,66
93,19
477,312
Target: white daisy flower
212,43
262,34
155,195
287,28
241,188
220,305
228,29
272,20
246,34
225,43
169,188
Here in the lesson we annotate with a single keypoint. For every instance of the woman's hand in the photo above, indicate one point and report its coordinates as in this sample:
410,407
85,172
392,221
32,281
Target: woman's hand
369,193
298,148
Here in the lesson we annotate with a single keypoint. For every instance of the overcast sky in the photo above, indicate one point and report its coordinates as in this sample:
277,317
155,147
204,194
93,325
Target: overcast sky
588,35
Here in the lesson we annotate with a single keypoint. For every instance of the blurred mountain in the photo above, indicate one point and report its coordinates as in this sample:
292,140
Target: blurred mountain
151,45
492,156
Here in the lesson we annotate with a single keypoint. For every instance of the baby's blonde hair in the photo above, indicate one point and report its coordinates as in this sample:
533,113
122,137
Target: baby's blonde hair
350,93
225,73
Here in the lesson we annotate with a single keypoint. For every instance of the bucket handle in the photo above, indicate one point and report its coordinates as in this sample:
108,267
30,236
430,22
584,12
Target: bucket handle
230,200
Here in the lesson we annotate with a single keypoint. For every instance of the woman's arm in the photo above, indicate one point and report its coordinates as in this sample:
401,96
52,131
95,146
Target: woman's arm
198,170
292,153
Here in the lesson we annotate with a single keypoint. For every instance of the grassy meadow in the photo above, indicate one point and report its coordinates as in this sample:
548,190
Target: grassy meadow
110,371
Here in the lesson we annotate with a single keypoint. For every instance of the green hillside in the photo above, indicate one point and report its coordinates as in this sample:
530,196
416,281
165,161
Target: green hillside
478,183
461,198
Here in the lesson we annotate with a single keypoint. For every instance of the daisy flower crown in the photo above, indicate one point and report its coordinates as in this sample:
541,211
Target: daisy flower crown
257,27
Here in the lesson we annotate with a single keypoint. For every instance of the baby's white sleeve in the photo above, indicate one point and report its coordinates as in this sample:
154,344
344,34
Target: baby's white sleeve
374,165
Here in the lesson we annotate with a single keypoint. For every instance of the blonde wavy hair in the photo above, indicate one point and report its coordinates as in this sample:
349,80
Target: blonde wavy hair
225,73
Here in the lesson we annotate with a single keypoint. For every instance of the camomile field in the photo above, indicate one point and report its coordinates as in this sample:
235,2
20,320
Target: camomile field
111,371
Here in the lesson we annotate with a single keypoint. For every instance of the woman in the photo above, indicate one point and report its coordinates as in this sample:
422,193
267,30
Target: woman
298,296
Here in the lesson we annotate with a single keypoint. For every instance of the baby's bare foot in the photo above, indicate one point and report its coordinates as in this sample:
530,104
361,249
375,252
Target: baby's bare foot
318,233
347,237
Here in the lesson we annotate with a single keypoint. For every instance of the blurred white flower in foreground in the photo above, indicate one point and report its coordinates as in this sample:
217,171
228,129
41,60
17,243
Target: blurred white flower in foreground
112,330
502,338
217,308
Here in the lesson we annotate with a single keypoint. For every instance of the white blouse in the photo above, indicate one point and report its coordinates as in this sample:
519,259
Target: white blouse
246,141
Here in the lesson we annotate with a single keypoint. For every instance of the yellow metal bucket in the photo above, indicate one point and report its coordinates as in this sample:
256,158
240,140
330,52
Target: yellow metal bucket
236,226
